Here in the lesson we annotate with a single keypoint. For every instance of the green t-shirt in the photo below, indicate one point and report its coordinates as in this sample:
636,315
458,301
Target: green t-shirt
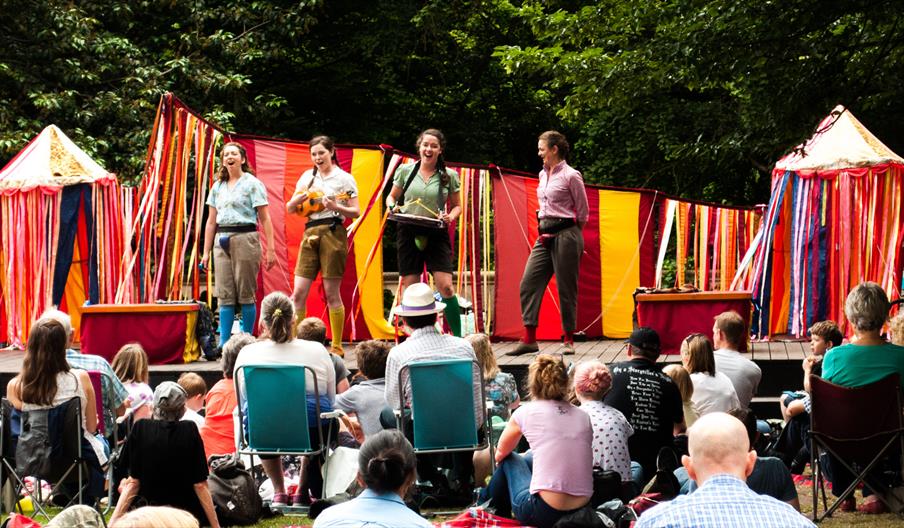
857,365
428,193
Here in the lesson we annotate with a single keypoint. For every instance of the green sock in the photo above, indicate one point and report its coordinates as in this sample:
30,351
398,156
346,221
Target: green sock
453,314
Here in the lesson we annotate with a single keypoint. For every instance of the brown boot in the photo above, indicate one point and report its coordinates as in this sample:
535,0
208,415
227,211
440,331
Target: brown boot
524,348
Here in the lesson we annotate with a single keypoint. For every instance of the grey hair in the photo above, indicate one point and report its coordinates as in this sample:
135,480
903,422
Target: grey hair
866,307
62,317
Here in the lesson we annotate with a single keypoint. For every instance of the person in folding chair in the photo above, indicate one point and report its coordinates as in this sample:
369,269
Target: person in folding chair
867,359
420,194
418,310
328,196
279,347
165,457
47,381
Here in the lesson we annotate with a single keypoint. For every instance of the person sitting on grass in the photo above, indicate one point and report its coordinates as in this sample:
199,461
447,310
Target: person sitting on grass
556,478
156,517
367,398
386,467
682,379
131,366
196,389
165,458
218,431
713,391
501,389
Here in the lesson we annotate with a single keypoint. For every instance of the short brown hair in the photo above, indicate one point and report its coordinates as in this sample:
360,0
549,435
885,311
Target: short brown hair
547,378
700,357
371,357
732,326
828,331
554,138
193,384
312,329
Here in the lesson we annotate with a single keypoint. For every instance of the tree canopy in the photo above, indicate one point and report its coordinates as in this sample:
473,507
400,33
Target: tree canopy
692,97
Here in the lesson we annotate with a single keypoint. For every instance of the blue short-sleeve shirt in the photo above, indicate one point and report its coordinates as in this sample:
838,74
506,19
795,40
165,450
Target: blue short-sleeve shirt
238,205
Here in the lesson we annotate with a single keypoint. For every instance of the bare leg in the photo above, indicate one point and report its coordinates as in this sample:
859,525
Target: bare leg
330,287
443,282
274,470
300,292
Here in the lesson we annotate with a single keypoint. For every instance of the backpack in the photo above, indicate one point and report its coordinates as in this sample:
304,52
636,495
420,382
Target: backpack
205,332
233,491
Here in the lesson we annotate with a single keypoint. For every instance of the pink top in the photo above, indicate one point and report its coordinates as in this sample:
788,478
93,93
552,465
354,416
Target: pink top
562,195
560,436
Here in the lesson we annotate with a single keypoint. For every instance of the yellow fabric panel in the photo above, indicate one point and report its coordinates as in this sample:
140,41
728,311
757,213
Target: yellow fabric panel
367,167
192,350
619,259
75,292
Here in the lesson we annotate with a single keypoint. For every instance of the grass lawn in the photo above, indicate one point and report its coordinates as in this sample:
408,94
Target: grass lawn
838,520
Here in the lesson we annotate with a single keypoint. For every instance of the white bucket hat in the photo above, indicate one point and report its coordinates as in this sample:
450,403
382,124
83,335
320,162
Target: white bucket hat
418,300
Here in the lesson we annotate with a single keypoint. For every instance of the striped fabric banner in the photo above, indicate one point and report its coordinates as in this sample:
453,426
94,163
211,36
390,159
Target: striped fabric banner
618,256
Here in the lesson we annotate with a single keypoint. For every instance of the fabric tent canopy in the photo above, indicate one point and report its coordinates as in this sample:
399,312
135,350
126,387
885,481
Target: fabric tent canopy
51,193
833,221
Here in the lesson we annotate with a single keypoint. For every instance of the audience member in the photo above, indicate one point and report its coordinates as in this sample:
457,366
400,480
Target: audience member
157,517
720,460
866,359
501,390
165,458
386,468
769,477
418,311
131,366
196,389
218,431
896,328
730,336
281,348
794,441
611,430
556,478
314,329
682,379
367,398
713,391
46,381
648,398
113,392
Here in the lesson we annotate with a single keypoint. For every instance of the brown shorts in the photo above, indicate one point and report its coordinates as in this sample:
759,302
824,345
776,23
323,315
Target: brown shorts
322,249
235,273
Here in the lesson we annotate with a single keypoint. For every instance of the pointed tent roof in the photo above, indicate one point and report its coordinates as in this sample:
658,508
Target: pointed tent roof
51,160
840,142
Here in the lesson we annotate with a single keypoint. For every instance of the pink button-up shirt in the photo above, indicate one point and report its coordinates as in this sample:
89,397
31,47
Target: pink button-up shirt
562,195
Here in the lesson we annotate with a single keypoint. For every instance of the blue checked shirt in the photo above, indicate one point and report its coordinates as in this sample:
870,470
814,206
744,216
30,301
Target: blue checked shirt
427,344
114,392
723,501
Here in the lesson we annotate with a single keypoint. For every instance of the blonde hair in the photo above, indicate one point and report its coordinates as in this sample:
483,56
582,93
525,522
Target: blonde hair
158,517
682,379
896,328
484,352
547,378
131,364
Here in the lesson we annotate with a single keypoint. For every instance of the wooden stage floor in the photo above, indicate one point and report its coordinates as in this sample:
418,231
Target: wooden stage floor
607,351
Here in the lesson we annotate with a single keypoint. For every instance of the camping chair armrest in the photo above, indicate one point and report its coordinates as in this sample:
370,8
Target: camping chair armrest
332,414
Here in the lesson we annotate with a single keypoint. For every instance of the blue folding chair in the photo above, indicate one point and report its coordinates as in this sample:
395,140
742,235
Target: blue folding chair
442,405
268,424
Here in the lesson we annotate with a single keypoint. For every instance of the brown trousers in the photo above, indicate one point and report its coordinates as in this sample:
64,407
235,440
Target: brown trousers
560,256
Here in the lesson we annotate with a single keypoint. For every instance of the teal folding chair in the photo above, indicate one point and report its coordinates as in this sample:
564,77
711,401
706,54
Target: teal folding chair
268,423
442,405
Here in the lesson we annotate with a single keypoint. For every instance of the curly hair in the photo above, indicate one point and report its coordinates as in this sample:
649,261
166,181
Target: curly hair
547,378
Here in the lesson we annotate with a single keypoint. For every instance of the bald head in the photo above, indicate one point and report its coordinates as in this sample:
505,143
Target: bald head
718,443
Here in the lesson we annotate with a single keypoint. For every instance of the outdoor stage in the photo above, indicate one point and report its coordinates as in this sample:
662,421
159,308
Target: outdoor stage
779,360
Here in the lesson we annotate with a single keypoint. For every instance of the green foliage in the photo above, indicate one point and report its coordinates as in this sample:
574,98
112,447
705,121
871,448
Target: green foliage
699,98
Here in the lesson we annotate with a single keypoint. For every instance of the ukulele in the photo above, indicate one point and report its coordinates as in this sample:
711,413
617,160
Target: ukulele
314,203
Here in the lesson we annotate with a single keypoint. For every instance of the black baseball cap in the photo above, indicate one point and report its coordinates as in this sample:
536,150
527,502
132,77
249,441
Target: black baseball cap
645,338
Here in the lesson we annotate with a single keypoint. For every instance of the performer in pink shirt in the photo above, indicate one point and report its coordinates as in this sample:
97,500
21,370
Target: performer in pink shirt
563,213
